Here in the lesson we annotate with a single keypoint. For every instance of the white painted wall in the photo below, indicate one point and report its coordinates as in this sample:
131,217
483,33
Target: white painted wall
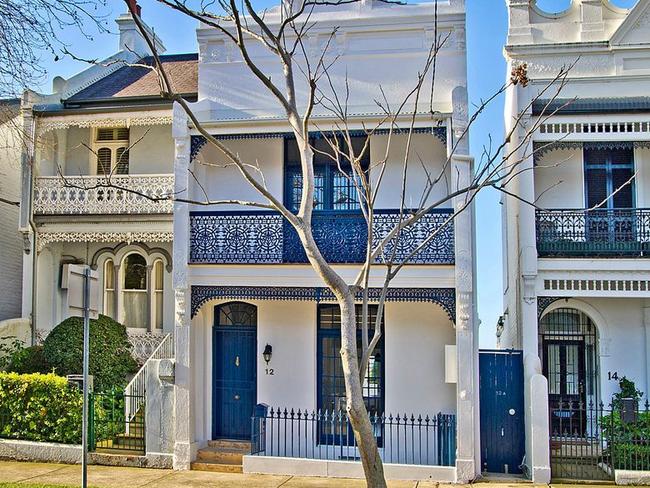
224,181
416,334
151,151
11,245
559,180
375,41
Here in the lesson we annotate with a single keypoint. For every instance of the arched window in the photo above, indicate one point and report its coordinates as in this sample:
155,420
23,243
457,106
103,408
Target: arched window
134,291
237,314
109,288
159,284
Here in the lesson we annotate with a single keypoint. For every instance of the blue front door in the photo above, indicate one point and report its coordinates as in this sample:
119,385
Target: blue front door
501,389
234,365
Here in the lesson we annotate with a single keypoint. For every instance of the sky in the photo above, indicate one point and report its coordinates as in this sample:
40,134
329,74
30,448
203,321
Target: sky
486,32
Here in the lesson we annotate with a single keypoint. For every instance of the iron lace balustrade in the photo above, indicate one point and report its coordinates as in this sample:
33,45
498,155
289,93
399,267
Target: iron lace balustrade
600,232
402,439
98,195
262,237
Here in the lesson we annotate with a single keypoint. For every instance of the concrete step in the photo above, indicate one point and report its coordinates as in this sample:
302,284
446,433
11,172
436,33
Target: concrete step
216,467
217,455
243,447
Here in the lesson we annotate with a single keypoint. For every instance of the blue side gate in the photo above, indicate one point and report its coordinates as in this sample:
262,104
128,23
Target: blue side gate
501,392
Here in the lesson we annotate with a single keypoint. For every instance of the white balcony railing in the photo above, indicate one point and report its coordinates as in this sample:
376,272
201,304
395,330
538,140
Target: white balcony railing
121,194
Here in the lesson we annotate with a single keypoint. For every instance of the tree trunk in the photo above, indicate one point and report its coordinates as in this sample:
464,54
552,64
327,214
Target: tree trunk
356,408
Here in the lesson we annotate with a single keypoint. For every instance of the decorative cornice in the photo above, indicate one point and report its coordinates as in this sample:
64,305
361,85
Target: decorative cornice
45,238
445,297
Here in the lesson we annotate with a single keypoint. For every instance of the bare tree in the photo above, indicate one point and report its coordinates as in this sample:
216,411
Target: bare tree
500,163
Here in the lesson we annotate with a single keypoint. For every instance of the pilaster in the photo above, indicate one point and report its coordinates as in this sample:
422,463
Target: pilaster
519,28
150,294
592,26
183,411
467,354
646,325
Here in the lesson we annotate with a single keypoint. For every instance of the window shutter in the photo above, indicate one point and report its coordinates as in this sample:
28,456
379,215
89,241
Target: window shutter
104,134
122,161
103,161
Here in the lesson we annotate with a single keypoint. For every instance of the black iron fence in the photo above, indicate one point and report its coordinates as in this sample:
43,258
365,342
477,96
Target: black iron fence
110,428
613,232
402,439
590,441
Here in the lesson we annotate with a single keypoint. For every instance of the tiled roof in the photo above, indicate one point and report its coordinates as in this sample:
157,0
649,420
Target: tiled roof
593,105
138,81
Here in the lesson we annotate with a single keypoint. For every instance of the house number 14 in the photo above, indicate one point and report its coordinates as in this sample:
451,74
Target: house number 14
612,375
269,371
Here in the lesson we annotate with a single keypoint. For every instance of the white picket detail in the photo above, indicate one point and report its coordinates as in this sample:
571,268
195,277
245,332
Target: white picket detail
135,391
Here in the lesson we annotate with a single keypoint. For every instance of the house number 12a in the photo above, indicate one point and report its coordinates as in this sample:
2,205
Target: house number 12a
270,371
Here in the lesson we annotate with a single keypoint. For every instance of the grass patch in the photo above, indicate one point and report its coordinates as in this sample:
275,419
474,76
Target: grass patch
31,485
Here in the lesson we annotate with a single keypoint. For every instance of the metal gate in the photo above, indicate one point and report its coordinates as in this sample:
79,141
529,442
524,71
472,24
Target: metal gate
502,411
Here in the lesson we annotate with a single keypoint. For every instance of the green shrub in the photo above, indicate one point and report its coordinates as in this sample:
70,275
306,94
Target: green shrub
29,360
8,347
39,407
110,351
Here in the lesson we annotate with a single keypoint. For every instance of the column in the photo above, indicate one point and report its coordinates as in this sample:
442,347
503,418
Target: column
646,324
117,287
150,294
183,408
467,467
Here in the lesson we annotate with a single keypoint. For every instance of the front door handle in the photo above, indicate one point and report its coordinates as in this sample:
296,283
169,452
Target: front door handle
236,397
237,361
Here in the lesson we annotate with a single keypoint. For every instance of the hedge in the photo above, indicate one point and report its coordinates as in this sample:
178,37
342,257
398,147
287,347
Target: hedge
39,407
29,360
110,351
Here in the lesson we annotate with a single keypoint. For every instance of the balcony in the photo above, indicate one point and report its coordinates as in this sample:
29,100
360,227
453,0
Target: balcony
96,195
266,238
593,233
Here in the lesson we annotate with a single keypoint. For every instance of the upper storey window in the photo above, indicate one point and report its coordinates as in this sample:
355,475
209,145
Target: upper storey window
334,187
608,177
112,150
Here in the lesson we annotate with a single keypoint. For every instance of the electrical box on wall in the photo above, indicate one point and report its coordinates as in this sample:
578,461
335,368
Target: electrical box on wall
73,281
451,364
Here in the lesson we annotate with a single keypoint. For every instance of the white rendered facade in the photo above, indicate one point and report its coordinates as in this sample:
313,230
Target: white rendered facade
67,217
377,43
557,260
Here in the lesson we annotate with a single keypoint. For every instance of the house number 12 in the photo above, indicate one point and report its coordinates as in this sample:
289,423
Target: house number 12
270,371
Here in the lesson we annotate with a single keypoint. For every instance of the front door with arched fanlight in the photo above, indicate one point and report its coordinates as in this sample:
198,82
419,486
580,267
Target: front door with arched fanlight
234,370
568,340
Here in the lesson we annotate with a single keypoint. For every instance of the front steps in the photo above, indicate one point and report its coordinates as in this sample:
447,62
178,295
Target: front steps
222,456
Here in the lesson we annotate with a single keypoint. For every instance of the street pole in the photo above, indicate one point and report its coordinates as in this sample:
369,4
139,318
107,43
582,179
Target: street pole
84,418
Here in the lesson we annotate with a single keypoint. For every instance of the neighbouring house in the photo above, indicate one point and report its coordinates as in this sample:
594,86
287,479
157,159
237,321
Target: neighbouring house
11,241
106,124
576,268
257,331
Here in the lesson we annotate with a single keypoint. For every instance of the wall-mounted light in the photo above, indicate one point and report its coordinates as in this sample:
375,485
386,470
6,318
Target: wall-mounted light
268,352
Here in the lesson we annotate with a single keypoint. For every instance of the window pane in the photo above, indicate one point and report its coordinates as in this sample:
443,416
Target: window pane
624,197
596,181
109,275
135,273
158,297
122,161
103,161
159,275
294,181
345,194
135,308
109,303
237,314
